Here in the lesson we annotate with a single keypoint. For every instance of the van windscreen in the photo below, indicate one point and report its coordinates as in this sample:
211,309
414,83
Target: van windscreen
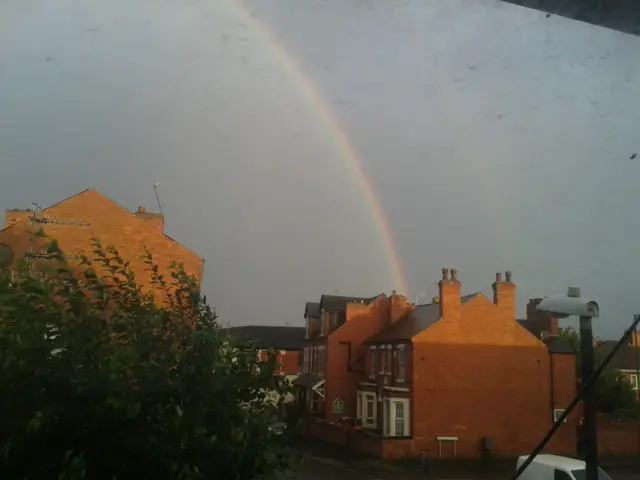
581,474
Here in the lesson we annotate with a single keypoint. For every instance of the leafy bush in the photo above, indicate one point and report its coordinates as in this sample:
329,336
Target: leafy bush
99,382
614,393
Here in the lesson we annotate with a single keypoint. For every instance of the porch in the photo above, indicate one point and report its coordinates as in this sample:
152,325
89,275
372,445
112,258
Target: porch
310,393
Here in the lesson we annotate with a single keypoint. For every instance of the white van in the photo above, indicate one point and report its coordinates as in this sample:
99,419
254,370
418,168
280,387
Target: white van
553,467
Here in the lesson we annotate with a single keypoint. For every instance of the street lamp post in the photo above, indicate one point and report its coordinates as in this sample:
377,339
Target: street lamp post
563,306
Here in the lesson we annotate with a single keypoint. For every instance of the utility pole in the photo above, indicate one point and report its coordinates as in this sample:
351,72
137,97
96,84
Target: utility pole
590,428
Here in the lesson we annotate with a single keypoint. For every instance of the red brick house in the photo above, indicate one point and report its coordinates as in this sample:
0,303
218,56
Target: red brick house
285,341
334,351
626,360
457,377
75,220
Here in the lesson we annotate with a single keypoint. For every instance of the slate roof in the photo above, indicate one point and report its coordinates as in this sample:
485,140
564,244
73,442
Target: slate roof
626,358
267,336
336,303
307,380
312,309
414,322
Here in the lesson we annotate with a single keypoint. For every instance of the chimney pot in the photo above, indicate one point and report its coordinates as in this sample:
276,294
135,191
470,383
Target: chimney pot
141,209
454,275
498,277
507,275
445,274
393,292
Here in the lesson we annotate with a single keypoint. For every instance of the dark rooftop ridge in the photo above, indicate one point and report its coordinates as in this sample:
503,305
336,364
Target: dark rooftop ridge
270,336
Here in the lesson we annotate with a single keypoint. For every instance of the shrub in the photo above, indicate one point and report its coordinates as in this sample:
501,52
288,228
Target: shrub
100,382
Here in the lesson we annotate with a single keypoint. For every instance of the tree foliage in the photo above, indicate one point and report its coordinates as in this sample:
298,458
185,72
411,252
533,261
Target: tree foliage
99,382
614,392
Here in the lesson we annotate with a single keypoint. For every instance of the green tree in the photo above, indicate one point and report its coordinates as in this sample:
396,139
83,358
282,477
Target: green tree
614,392
98,382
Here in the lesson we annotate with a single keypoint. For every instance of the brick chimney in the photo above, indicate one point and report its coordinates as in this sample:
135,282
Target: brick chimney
540,322
504,295
450,302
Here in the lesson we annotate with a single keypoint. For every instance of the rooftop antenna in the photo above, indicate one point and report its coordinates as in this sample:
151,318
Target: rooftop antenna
38,219
155,189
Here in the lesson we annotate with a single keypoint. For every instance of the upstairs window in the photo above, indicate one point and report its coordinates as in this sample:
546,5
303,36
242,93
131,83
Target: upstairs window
401,360
322,361
633,379
385,367
372,369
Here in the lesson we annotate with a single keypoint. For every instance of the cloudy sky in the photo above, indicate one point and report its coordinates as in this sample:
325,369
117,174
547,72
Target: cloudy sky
494,138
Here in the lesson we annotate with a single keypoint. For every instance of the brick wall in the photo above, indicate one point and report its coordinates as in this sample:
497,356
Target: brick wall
365,443
344,373
289,362
618,439
131,234
479,373
328,432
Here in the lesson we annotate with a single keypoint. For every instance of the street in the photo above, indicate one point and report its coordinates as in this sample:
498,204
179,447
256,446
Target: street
321,467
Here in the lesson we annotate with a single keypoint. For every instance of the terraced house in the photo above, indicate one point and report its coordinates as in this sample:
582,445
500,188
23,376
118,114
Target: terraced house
626,360
90,214
456,377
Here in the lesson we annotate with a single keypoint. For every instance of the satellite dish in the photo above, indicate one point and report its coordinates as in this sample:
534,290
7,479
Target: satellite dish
6,256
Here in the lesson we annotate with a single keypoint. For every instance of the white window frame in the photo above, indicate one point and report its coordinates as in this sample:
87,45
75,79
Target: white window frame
406,410
633,380
557,412
401,360
369,418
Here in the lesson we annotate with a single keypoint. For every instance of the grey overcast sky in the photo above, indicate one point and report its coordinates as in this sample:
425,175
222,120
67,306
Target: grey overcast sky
495,138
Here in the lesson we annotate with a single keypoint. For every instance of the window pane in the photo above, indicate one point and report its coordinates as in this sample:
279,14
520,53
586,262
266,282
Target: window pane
399,406
401,364
373,363
581,474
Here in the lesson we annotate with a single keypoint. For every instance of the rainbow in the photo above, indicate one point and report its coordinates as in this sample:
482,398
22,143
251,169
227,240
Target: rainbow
343,144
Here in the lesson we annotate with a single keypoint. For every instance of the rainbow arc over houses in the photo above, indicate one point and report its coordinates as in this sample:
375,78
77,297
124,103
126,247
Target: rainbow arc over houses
343,144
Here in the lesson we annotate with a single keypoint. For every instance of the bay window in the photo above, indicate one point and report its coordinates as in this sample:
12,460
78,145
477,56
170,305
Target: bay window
367,409
396,421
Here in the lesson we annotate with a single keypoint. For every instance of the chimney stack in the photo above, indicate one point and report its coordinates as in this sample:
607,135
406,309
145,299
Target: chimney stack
450,302
540,322
141,209
504,295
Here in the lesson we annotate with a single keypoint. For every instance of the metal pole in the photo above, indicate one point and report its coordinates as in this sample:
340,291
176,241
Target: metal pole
624,339
590,427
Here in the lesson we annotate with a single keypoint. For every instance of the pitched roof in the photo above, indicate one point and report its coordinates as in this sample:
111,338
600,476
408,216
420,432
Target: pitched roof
336,303
555,343
626,358
422,317
312,309
267,336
